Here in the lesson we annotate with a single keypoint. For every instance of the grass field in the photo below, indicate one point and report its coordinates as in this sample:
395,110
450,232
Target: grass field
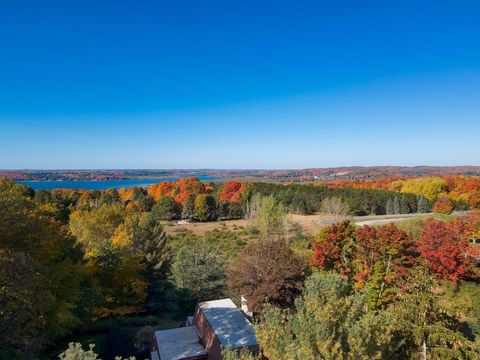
311,224
415,225
201,228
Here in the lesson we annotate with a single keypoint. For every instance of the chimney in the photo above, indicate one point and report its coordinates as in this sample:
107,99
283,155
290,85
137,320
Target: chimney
244,306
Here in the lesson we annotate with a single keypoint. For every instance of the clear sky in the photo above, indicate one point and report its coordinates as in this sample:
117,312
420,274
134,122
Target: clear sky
238,84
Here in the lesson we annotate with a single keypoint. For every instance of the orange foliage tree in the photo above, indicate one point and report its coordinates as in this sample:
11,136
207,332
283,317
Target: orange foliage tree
157,191
184,187
443,205
231,191
470,224
179,189
234,191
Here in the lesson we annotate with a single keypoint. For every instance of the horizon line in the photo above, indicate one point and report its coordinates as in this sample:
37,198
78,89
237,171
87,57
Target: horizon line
242,169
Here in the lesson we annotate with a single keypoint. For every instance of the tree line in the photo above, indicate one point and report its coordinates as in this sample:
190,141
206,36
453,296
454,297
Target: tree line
193,200
459,191
308,199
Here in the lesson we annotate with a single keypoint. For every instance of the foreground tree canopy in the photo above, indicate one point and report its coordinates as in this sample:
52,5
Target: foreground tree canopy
333,321
39,276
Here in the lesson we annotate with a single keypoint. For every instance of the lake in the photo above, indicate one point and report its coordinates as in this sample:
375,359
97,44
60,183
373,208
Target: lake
98,184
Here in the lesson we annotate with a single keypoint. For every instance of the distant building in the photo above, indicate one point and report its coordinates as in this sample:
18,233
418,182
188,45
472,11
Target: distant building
473,250
215,325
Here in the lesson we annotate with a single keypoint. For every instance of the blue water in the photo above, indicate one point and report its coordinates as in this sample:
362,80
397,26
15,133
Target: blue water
97,184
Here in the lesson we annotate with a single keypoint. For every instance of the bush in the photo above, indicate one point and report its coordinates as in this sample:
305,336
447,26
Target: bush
443,206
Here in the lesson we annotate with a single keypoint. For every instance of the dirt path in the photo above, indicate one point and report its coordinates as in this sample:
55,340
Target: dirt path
387,219
380,222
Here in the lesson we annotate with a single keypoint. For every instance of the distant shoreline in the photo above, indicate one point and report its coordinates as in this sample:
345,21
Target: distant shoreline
96,184
285,175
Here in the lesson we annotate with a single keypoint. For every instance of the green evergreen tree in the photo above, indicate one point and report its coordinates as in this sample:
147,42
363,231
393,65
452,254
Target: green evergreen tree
423,206
389,208
396,205
150,244
331,321
188,207
404,207
166,209
427,328
199,271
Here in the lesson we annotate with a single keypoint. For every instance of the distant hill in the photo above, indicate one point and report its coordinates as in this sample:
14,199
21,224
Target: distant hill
374,172
303,175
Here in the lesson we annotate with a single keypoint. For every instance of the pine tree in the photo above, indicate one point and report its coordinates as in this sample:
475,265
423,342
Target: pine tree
404,207
396,205
330,321
423,205
389,207
199,271
188,207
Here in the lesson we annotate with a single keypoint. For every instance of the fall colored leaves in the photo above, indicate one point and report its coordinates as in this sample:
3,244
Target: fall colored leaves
376,258
443,190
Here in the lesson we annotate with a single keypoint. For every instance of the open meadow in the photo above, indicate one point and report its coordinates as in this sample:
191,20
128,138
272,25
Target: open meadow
310,224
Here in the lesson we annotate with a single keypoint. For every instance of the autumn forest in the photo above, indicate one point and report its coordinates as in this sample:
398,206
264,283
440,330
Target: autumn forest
98,267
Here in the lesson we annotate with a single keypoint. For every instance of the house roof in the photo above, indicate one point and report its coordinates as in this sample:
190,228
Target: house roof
230,325
180,343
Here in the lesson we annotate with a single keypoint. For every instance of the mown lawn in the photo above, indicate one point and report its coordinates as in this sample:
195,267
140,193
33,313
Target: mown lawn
415,225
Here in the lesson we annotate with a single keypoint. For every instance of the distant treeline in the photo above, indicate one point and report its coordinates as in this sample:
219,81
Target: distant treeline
458,188
308,199
195,200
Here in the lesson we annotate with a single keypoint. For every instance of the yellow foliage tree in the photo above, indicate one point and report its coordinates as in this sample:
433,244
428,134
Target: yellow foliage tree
430,186
111,259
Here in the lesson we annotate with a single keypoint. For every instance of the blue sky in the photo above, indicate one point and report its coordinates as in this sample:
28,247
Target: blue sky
244,84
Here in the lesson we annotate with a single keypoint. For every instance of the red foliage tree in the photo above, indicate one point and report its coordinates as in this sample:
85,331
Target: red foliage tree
374,257
333,247
445,248
389,245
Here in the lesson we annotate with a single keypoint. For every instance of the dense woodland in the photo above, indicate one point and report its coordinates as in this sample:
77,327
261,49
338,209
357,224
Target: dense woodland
444,191
82,262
